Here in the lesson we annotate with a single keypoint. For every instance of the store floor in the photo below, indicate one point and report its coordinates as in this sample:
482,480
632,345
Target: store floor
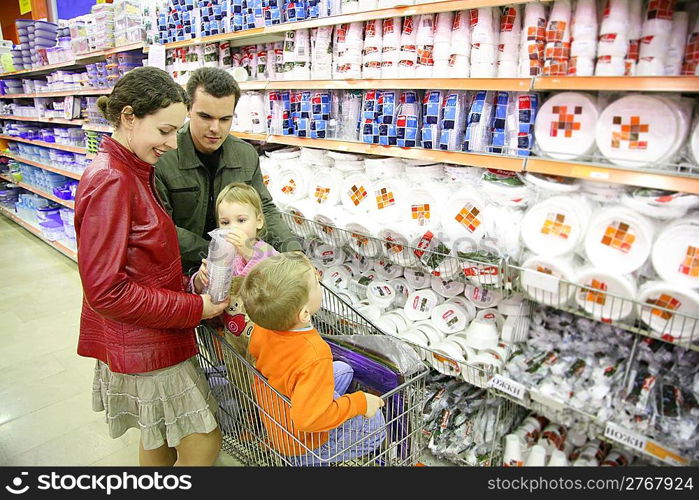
45,387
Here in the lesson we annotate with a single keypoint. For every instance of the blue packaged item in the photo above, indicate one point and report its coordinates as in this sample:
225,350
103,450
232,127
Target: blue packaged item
369,123
408,119
431,109
387,108
478,128
453,122
294,10
272,10
313,8
521,137
498,124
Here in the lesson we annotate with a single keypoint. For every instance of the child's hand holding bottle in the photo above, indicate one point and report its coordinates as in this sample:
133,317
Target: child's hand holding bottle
241,241
201,280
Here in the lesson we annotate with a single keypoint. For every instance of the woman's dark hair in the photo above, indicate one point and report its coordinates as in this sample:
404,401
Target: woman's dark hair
146,90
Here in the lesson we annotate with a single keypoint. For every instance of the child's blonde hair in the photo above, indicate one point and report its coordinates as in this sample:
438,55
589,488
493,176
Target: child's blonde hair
239,192
276,289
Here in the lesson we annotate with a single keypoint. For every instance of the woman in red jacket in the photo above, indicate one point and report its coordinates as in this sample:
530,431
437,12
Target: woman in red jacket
137,320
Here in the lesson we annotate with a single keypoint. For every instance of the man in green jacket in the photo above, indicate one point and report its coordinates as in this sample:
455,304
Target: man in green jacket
207,159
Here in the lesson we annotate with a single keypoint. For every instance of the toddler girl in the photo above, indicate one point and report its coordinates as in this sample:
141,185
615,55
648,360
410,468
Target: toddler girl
239,209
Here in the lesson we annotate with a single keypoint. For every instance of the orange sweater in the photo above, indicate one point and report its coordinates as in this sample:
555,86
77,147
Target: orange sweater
298,364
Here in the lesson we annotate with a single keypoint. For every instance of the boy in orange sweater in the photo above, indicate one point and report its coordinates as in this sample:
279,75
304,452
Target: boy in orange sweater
323,424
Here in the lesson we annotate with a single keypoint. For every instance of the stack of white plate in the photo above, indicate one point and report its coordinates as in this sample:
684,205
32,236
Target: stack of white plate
565,126
675,254
556,226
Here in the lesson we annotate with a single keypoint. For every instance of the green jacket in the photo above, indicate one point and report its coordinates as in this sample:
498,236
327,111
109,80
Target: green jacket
183,184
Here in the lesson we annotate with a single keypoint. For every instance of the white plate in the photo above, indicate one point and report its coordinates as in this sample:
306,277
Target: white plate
552,183
555,226
606,296
284,154
389,198
618,239
397,248
675,254
694,142
466,215
424,206
682,301
326,229
657,130
361,238
356,194
336,155
325,188
567,134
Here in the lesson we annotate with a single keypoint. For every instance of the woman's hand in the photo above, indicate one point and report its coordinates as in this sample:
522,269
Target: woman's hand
211,310
241,242
201,280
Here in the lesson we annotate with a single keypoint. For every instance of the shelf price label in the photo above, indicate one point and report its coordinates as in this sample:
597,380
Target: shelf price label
508,386
643,444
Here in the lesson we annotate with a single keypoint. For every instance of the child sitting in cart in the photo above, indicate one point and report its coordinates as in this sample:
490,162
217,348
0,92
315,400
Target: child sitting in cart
322,424
238,208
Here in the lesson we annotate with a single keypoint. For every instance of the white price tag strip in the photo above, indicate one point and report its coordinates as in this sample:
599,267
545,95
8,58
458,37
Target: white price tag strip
546,400
541,281
643,444
508,386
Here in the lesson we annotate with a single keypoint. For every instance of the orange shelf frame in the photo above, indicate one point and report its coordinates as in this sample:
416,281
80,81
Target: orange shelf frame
603,173
67,173
38,191
63,147
626,83
62,93
507,84
512,164
68,252
61,121
98,128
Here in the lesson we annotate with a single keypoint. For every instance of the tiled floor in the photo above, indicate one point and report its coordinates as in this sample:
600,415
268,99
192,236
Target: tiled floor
45,387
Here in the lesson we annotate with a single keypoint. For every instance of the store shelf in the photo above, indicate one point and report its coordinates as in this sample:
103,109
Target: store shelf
67,173
624,83
98,128
509,163
80,60
507,84
62,147
68,252
408,10
561,412
668,180
61,121
65,203
62,93
105,52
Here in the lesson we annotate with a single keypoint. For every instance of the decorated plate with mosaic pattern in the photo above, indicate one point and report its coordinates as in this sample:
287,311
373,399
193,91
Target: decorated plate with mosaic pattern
356,194
619,239
669,310
565,126
605,295
466,215
637,131
675,254
555,226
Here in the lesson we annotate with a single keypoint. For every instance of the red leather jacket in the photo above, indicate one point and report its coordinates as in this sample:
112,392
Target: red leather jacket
136,316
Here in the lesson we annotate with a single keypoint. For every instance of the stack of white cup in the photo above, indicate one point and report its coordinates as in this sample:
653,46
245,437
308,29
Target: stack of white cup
655,39
691,56
583,47
425,46
297,55
678,39
373,46
442,44
321,53
347,57
485,37
635,23
613,39
557,48
408,47
391,31
531,49
460,57
510,35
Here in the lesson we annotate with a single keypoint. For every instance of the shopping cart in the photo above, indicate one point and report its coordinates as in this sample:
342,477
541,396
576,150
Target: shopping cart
262,435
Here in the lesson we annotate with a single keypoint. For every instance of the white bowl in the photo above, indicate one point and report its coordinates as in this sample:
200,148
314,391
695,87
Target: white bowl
607,296
669,325
482,334
450,318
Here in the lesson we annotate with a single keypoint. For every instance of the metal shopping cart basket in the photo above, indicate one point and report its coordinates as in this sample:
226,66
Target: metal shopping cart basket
262,435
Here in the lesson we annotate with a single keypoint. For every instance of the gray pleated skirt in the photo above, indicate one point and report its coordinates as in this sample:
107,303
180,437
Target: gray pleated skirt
166,405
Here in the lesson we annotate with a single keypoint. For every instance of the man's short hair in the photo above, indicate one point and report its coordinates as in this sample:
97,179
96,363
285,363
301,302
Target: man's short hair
276,289
213,81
